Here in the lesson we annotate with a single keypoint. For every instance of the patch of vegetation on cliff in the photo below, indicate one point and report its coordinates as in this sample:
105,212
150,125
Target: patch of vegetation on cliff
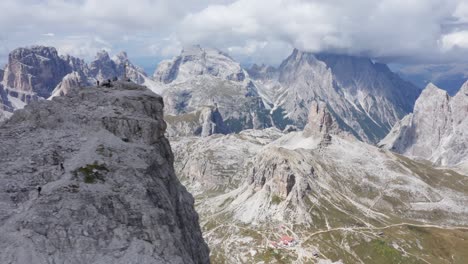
91,173
275,199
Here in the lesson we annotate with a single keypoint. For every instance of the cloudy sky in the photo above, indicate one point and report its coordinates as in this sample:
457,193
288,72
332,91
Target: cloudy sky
398,31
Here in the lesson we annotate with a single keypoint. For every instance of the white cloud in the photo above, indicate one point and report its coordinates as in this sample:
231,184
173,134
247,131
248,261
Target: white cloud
263,30
82,46
455,40
388,28
461,13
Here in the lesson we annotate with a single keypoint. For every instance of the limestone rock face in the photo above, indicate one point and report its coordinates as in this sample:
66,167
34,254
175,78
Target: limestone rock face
203,122
103,67
109,191
194,61
5,106
4,103
259,184
212,123
218,162
76,64
73,80
436,130
366,97
133,72
322,123
239,110
201,77
36,70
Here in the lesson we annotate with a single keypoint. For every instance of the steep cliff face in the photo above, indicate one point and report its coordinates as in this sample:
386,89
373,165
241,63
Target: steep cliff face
36,70
436,130
323,123
76,64
109,192
73,80
203,122
5,105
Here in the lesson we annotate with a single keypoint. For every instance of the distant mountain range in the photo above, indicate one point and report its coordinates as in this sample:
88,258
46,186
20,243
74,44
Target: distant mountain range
365,97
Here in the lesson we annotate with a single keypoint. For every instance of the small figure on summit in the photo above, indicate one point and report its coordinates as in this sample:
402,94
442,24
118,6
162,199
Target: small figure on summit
39,189
107,84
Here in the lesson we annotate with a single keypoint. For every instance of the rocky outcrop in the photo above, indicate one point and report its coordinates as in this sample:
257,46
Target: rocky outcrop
212,123
323,123
109,192
203,122
71,81
436,130
36,70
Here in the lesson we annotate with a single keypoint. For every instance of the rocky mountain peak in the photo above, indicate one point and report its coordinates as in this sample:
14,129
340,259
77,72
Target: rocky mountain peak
109,193
435,131
301,66
102,55
76,64
103,67
34,70
47,52
432,89
122,56
430,97
196,61
365,96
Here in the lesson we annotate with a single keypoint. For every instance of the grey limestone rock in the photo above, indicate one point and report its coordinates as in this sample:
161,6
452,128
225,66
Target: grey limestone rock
109,191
